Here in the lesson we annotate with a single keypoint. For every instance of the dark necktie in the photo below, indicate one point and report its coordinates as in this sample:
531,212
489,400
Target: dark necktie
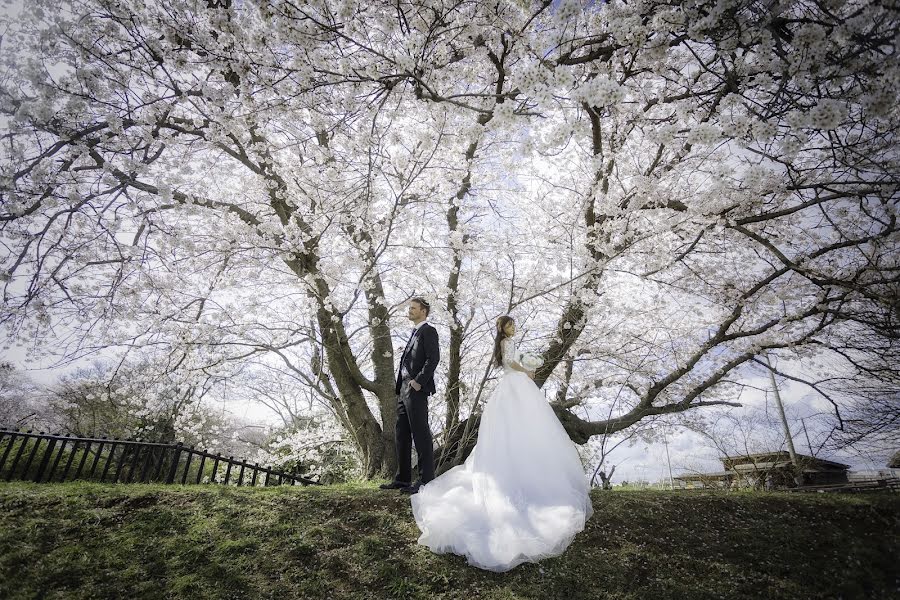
403,370
410,340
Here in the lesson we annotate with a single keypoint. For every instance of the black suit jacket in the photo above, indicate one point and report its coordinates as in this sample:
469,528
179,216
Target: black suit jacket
421,359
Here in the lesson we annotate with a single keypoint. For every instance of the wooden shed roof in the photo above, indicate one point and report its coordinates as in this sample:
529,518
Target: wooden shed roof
777,460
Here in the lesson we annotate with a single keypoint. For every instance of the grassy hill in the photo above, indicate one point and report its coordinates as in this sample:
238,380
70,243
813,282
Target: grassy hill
86,540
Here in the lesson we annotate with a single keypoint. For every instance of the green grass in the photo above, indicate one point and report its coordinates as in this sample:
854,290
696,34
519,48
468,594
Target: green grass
88,540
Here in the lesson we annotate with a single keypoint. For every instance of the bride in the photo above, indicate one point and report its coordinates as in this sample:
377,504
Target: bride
522,495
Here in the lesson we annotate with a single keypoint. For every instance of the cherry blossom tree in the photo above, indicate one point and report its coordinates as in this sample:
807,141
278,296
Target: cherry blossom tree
22,400
658,192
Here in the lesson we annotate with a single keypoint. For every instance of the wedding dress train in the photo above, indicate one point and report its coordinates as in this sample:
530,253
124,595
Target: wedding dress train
521,495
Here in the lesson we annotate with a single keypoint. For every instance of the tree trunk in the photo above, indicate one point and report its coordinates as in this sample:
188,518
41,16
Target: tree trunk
452,397
382,348
363,426
366,431
383,361
456,327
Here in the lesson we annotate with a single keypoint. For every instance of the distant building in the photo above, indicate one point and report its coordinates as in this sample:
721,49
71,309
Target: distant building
768,470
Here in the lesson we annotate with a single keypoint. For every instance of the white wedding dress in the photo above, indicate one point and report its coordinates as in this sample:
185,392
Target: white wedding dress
521,495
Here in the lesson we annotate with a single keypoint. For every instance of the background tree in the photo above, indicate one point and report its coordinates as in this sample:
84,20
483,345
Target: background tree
22,401
137,402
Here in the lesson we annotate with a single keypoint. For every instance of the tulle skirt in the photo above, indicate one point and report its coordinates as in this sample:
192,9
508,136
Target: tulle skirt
522,494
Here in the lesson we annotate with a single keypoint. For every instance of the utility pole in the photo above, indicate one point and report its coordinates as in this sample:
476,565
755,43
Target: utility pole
787,430
805,432
668,460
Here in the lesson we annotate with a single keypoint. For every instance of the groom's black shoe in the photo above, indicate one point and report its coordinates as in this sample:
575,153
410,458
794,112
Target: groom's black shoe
411,489
394,485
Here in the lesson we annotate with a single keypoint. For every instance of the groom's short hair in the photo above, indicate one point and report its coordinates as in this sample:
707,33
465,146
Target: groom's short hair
423,303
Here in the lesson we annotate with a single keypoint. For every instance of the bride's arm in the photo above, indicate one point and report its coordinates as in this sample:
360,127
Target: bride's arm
516,366
513,364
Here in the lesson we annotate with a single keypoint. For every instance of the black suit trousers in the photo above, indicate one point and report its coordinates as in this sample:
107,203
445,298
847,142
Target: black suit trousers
412,427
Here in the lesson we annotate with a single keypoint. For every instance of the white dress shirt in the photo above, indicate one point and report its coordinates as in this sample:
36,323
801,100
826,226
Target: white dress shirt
403,372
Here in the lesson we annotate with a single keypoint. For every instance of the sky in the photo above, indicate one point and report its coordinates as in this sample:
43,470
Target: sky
689,451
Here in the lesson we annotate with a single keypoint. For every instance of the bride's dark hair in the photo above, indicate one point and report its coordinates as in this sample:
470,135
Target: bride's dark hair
502,322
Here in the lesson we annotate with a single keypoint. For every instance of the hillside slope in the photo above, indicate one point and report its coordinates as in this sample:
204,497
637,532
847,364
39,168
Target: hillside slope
81,540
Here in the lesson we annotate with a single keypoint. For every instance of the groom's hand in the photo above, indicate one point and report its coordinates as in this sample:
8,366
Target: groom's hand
415,385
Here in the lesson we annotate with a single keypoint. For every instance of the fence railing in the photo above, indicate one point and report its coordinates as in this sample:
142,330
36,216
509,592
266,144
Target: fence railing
42,457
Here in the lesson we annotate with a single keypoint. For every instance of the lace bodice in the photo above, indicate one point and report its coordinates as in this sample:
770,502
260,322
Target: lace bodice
508,347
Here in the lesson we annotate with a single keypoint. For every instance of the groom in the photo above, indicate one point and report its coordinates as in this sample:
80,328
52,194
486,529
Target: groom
415,382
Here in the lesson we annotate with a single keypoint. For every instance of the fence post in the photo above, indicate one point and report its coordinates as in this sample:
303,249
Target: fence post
159,464
134,461
170,478
200,468
84,455
37,443
125,448
109,457
187,464
3,433
12,441
215,470
241,474
62,448
148,460
228,470
96,460
45,460
65,472
15,462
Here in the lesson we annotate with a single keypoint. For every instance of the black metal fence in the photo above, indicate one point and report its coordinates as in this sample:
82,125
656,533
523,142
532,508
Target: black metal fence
42,457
